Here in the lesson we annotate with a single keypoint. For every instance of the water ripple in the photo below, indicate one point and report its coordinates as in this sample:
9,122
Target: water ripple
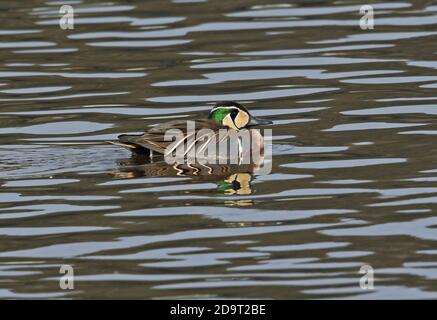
353,165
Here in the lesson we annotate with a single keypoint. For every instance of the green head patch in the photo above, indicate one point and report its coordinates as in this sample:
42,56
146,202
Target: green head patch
218,114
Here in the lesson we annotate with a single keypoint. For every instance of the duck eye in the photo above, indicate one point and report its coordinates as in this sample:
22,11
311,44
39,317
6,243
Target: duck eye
234,114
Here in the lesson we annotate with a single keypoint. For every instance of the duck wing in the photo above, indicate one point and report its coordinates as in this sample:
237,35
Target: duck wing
154,139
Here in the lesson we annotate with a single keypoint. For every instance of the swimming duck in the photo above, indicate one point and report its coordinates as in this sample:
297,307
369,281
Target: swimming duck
224,115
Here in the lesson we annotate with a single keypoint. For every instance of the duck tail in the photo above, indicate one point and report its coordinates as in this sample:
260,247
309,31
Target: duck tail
125,142
127,138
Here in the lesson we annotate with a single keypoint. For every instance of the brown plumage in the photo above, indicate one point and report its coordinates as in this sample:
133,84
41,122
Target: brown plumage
153,139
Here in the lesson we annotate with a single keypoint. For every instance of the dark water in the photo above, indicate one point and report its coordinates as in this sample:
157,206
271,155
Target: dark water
354,167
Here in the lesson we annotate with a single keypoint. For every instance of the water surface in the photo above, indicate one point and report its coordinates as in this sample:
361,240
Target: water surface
354,171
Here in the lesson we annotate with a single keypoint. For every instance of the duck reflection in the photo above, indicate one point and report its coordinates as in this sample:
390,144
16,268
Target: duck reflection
230,179
236,183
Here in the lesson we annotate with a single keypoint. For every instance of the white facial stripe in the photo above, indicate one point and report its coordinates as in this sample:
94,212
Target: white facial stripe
214,109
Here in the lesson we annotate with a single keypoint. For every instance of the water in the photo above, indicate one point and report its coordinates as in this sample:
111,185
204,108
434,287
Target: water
354,171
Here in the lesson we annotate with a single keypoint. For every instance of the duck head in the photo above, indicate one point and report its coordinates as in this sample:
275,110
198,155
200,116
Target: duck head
233,115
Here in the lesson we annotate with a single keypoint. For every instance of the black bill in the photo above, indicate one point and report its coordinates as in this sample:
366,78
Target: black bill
254,121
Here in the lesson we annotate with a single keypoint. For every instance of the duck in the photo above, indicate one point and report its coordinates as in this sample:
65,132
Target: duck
223,115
